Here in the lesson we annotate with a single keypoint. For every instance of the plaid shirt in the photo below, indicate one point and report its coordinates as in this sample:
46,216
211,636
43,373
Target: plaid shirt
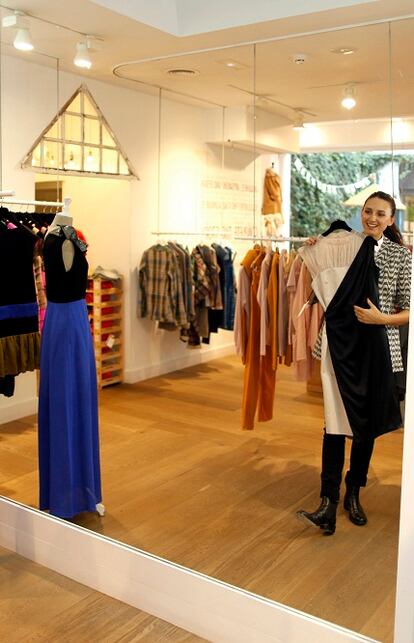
161,297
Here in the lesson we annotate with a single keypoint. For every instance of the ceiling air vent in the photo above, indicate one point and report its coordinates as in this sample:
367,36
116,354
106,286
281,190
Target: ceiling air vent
182,73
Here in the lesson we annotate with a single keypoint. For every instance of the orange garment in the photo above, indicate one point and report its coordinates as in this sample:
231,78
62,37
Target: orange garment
272,193
266,388
272,297
258,384
267,373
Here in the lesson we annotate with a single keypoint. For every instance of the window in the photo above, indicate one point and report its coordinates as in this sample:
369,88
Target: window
79,141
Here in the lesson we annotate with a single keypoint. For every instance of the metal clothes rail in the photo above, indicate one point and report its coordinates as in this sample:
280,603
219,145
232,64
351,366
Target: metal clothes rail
192,234
28,203
276,239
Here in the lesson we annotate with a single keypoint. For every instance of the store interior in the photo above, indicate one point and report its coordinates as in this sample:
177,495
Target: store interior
188,155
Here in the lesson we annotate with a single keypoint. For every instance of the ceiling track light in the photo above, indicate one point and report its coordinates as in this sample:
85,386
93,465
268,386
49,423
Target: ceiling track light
298,123
22,39
18,20
82,57
348,101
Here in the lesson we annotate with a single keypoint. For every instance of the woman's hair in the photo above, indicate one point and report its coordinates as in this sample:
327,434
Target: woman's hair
391,231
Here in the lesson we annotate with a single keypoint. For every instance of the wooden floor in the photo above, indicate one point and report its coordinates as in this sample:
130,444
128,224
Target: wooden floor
181,480
40,605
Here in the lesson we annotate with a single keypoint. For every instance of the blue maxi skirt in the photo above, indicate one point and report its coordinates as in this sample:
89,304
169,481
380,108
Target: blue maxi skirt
69,469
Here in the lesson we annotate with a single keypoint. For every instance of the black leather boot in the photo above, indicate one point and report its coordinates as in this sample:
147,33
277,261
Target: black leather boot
351,503
324,517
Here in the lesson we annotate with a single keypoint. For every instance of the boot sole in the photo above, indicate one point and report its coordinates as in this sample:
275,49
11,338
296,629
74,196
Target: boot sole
327,531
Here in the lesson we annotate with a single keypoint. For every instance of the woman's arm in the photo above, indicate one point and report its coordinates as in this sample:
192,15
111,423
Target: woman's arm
373,315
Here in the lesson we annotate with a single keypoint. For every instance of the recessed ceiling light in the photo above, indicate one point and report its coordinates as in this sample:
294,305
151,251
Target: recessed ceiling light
231,64
182,73
344,51
300,59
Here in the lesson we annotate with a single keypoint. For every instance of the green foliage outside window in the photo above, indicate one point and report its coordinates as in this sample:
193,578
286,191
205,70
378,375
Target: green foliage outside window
311,209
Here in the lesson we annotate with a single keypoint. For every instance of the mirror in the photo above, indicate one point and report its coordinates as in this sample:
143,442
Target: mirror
180,477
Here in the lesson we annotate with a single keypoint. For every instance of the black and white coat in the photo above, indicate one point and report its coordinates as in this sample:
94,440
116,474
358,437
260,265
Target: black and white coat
394,285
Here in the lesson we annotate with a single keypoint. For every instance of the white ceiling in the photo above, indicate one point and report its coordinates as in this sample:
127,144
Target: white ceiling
190,17
315,86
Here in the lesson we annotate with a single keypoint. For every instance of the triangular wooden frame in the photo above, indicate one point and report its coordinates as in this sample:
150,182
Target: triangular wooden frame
27,162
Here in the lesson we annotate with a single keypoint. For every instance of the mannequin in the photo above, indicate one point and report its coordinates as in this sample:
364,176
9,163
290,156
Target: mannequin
69,469
63,219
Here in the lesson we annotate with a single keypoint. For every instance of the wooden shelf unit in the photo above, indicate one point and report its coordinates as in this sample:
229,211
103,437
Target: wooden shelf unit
105,309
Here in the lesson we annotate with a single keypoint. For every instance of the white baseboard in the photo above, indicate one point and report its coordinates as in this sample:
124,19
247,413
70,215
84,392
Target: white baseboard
191,358
20,409
202,605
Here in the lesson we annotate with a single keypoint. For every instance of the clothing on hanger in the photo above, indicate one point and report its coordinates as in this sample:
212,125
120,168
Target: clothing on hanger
19,327
365,378
194,292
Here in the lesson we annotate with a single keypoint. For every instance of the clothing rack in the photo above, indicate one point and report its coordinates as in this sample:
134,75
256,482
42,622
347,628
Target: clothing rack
51,204
276,239
192,234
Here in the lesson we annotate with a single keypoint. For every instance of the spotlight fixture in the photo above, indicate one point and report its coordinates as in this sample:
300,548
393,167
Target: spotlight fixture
349,100
22,39
298,124
82,58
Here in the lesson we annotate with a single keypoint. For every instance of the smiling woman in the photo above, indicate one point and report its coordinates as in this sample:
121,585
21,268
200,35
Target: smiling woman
392,299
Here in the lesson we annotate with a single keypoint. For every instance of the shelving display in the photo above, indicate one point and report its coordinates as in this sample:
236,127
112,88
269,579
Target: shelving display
105,310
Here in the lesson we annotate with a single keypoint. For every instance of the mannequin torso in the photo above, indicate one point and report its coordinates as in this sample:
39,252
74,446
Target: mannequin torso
68,251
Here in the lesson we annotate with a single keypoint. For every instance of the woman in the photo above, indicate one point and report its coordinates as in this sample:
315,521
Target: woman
394,276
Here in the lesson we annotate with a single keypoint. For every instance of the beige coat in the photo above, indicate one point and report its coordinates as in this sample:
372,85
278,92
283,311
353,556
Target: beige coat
272,193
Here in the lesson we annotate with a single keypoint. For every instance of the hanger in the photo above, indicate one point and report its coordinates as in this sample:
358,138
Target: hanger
338,224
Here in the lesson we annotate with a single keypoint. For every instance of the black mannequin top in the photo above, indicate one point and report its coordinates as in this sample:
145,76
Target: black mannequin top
61,286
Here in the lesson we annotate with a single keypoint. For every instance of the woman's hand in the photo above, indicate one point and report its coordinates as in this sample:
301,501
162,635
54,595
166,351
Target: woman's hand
371,315
311,241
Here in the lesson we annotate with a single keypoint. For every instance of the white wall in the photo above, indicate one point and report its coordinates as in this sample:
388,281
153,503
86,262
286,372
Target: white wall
118,216
353,135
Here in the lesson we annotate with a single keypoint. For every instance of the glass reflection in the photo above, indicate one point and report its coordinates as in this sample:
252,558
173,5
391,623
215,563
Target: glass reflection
182,480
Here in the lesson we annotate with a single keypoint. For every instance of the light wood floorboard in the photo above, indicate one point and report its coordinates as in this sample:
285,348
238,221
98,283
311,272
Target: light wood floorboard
38,605
181,480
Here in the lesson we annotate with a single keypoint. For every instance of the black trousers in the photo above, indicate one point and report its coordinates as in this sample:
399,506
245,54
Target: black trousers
333,458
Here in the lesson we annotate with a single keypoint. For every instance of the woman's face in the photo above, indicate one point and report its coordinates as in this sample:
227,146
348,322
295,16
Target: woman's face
376,215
